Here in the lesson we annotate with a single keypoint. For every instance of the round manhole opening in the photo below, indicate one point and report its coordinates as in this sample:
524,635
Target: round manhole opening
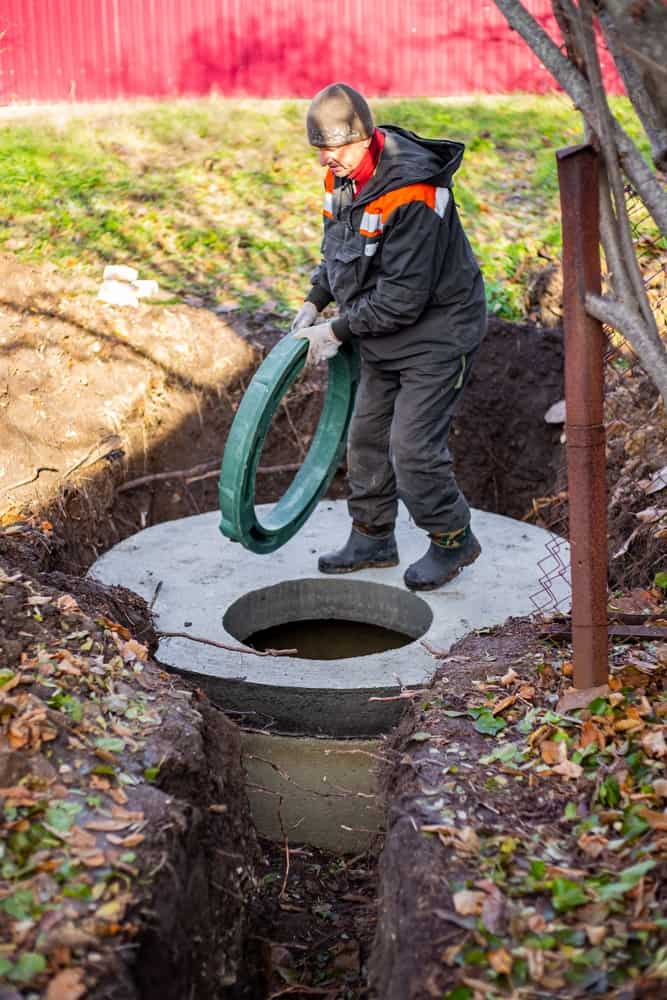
328,619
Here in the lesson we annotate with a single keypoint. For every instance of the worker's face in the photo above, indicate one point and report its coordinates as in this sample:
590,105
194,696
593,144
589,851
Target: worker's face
342,160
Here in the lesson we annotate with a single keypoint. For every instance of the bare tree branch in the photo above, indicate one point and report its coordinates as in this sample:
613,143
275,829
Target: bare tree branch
563,13
608,149
629,310
628,323
642,29
611,241
651,355
578,88
635,89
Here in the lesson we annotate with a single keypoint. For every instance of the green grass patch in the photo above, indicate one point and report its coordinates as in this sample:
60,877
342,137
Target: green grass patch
222,198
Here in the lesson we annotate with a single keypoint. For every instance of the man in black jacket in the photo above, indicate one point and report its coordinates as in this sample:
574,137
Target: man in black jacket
400,269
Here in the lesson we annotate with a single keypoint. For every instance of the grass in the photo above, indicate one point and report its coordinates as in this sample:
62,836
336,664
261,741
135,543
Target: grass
221,199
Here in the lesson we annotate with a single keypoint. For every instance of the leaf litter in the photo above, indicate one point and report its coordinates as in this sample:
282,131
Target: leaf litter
73,725
561,891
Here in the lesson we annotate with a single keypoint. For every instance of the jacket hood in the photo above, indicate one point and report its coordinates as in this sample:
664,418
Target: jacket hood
409,159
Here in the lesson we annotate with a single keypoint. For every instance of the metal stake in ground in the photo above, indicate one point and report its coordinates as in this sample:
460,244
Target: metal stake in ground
584,395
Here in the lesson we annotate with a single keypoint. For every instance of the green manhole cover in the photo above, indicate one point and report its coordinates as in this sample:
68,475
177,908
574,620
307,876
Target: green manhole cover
251,424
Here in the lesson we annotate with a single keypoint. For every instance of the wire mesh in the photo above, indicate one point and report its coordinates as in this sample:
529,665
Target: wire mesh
636,450
636,426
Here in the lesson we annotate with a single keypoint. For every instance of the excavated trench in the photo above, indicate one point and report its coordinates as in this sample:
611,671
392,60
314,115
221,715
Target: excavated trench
506,455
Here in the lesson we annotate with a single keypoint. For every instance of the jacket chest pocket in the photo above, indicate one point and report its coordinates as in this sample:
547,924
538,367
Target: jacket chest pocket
345,264
350,250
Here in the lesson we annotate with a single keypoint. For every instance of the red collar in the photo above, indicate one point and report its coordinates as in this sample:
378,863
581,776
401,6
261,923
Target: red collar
363,173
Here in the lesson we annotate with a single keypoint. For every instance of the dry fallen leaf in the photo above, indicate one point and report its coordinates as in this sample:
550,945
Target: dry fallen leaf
91,859
132,840
465,840
568,769
654,744
503,704
134,816
66,985
114,627
509,677
628,725
67,604
500,961
595,934
580,698
468,903
107,825
660,787
114,909
79,838
651,514
133,650
592,844
656,820
590,733
553,751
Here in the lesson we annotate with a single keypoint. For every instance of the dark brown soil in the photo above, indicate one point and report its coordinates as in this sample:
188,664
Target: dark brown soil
96,727
313,924
505,453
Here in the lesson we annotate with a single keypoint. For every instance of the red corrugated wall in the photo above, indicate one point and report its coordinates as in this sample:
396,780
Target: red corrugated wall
99,49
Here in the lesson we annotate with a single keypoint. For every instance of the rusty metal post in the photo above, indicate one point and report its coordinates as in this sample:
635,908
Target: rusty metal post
584,400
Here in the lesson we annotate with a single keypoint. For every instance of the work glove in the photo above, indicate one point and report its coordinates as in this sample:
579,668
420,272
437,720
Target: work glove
323,343
306,316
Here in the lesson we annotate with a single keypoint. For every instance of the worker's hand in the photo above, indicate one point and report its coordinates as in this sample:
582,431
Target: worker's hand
306,316
323,343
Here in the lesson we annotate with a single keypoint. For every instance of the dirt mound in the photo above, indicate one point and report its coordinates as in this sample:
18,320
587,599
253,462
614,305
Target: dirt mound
97,398
505,454
81,381
116,419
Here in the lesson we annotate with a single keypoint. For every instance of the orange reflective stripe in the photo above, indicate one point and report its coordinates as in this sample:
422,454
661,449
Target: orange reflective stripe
329,181
389,202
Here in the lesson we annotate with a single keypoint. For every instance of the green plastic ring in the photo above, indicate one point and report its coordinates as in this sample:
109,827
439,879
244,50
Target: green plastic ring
236,486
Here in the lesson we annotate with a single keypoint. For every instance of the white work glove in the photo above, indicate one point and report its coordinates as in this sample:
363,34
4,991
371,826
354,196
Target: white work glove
306,316
322,342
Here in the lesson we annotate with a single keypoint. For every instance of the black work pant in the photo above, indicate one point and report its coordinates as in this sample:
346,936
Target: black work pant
397,445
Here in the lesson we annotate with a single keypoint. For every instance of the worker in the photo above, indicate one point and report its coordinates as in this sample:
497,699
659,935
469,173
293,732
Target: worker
397,264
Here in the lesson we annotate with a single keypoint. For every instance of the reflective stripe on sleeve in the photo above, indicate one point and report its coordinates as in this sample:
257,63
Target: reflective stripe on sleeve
371,224
328,205
441,200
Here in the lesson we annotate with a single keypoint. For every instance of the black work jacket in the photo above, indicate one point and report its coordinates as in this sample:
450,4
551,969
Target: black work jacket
396,261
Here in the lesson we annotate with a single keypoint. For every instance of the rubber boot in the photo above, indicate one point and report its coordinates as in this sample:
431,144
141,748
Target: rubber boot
361,551
444,559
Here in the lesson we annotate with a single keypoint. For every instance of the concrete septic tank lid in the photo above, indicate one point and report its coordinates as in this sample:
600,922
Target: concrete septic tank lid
205,585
